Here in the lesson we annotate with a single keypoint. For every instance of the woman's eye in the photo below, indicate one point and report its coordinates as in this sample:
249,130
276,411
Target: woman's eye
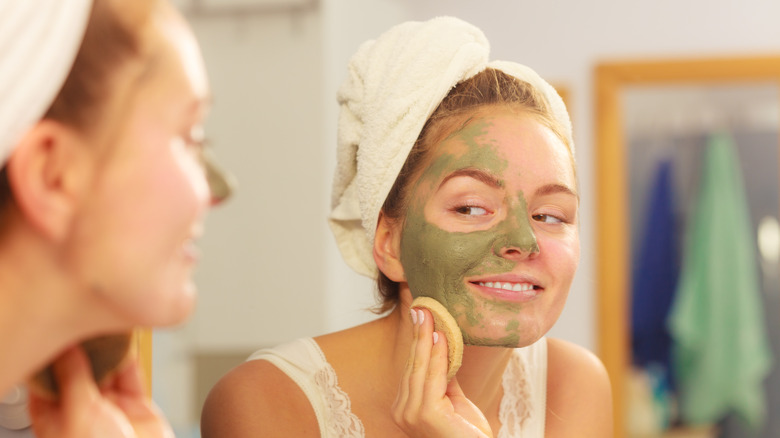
546,218
471,210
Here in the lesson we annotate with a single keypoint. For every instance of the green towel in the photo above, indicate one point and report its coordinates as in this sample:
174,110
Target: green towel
720,350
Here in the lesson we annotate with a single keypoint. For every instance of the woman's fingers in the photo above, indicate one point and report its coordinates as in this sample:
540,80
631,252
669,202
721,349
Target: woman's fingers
409,396
424,407
436,375
465,409
403,386
74,377
128,379
125,388
424,381
422,356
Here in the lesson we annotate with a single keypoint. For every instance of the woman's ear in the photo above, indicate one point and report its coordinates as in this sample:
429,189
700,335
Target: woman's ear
387,249
48,176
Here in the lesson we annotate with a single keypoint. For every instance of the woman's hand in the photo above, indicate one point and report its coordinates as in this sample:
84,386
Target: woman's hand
119,409
426,405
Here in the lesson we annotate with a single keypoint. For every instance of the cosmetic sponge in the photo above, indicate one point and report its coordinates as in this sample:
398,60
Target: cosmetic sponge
445,323
105,354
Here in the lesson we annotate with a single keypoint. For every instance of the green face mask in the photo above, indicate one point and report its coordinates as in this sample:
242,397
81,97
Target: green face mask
221,183
436,262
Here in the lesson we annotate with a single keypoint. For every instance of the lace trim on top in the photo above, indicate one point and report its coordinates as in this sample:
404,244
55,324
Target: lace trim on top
515,405
341,422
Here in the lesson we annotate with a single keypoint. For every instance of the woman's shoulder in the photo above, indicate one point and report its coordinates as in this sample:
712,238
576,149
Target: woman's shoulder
564,354
579,398
339,347
256,398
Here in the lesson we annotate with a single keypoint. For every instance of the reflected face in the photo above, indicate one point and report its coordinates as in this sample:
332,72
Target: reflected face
134,237
491,230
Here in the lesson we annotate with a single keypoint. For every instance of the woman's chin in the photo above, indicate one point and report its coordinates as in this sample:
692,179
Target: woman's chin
184,305
501,338
172,310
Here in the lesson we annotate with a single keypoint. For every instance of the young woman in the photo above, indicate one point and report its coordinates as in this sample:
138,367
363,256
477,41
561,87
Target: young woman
456,182
103,192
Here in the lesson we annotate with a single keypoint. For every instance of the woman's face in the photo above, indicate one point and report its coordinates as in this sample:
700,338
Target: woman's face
133,241
491,229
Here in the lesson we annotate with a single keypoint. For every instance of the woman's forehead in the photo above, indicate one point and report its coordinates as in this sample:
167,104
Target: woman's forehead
498,141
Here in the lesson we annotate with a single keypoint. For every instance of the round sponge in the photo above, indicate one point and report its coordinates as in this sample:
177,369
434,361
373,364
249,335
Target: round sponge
105,353
445,323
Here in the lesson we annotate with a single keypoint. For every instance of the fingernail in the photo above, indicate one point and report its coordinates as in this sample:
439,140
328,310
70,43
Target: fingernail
422,316
414,316
435,338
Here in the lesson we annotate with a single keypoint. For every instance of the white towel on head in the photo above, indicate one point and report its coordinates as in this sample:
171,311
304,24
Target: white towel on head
39,40
394,84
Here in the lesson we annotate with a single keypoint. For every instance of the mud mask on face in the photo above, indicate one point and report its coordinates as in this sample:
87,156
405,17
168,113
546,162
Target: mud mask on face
221,183
436,262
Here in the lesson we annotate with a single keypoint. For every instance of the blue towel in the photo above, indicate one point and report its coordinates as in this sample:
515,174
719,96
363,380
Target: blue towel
720,352
655,272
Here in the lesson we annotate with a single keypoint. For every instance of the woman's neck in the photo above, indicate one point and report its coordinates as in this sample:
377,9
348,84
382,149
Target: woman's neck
481,375
38,317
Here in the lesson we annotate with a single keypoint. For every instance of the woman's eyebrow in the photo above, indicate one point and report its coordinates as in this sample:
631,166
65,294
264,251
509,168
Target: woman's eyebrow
551,189
479,175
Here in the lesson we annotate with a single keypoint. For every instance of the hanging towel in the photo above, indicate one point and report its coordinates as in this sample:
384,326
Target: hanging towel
720,351
655,273
654,283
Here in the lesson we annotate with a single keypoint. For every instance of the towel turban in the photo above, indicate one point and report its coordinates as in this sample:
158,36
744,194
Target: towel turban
394,84
39,40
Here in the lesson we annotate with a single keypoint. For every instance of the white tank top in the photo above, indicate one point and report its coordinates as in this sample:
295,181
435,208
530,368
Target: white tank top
522,409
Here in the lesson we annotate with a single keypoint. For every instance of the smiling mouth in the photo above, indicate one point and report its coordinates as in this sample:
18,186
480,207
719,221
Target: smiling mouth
507,286
190,250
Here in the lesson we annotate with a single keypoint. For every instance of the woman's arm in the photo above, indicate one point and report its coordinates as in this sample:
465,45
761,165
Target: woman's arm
579,397
257,399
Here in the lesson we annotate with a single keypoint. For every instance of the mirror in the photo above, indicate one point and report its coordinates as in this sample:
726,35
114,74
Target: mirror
669,110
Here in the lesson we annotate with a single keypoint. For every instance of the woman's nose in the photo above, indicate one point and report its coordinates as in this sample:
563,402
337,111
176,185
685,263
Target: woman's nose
516,239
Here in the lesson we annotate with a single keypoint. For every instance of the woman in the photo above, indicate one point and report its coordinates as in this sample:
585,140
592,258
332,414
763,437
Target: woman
102,196
467,195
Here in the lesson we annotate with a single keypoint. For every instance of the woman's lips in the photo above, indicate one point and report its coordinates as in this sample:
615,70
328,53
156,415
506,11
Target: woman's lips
189,247
519,291
190,250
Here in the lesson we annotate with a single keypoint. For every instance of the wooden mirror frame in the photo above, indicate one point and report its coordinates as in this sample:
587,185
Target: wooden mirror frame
613,276
143,352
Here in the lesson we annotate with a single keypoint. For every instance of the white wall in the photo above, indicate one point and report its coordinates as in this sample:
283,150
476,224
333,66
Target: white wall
271,270
263,261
